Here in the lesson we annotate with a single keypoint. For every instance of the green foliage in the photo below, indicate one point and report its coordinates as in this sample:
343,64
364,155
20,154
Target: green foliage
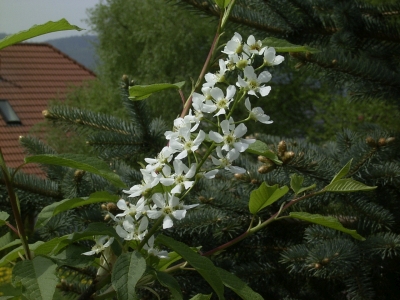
140,92
37,30
76,161
128,270
202,264
325,221
265,195
37,277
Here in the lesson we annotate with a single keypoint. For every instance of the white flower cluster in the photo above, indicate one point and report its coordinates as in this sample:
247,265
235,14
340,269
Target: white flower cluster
172,173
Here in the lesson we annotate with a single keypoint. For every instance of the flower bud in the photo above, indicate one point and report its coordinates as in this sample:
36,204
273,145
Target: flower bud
79,174
370,141
382,142
265,160
264,169
282,147
107,217
254,181
103,207
390,140
287,156
325,261
111,206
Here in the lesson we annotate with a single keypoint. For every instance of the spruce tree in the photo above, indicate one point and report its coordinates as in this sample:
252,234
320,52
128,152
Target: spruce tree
288,259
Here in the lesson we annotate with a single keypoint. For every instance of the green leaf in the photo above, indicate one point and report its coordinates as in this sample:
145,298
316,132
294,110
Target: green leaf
57,207
170,282
285,46
3,217
326,221
37,30
238,286
13,254
7,241
72,256
37,277
10,291
140,92
343,172
202,264
127,271
261,148
347,185
164,263
296,183
223,3
265,195
81,162
55,245
201,297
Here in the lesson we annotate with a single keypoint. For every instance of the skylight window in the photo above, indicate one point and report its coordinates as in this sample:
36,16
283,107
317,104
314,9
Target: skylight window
8,114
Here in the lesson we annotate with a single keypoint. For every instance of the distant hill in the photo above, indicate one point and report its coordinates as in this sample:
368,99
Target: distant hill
80,48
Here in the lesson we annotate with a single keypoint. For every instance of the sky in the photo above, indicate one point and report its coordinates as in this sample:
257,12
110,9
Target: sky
17,15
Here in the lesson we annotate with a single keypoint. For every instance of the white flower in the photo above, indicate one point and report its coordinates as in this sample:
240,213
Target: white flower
181,177
236,61
226,161
156,164
149,181
254,84
131,209
199,103
185,145
234,45
212,79
178,124
270,58
231,139
149,246
257,113
222,102
132,229
252,46
211,174
100,246
168,206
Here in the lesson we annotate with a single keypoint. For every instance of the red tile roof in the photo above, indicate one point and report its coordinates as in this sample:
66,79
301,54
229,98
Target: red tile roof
30,76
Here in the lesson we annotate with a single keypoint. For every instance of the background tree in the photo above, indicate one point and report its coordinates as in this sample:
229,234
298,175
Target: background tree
289,260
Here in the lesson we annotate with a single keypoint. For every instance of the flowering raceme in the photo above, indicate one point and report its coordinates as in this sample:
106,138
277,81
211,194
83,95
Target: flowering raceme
173,173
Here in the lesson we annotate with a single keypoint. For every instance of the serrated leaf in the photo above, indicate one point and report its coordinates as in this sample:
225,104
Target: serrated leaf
238,286
37,30
37,277
3,217
164,263
7,241
343,172
140,92
72,256
296,183
326,221
55,245
81,162
201,297
127,271
10,290
171,283
260,148
13,254
57,207
284,46
202,264
223,3
265,195
347,185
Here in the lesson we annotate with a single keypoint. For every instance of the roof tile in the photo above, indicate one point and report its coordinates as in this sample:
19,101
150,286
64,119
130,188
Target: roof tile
31,75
